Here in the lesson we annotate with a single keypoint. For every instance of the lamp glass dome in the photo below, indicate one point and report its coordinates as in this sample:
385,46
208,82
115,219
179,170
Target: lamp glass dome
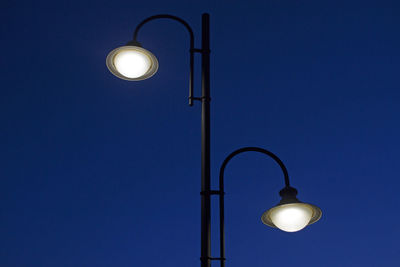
132,63
291,217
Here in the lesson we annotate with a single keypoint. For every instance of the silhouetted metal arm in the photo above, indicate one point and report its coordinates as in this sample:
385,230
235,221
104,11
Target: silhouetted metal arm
221,189
192,49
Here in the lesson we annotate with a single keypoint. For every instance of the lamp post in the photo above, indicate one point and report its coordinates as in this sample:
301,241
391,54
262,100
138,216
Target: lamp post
290,215
134,63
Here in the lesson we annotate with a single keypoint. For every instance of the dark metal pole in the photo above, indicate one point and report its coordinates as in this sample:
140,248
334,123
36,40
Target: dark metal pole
205,145
192,50
205,124
221,189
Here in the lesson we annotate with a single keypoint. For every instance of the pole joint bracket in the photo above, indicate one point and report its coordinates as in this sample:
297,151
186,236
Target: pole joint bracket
202,98
212,192
199,50
212,259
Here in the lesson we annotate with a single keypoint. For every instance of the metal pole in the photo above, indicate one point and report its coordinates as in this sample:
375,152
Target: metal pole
221,189
205,145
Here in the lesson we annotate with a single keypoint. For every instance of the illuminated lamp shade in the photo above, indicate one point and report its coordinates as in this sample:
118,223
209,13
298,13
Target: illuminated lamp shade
291,215
132,62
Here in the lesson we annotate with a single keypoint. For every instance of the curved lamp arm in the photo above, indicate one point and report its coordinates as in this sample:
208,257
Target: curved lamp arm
192,50
254,149
221,189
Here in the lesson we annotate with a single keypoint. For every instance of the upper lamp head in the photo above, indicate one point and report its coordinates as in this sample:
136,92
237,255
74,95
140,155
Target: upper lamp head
291,215
132,62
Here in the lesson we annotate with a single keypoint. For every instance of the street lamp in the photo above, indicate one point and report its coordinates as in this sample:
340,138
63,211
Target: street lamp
290,215
134,63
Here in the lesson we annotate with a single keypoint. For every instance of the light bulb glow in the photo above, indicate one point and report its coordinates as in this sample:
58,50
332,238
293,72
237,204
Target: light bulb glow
132,63
291,217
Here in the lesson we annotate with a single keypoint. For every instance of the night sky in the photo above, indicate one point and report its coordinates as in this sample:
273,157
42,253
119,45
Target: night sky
97,171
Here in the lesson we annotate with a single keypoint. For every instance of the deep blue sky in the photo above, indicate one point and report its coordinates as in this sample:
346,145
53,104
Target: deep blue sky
97,171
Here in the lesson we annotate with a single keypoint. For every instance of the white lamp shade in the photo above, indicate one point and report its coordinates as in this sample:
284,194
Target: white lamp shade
291,217
132,63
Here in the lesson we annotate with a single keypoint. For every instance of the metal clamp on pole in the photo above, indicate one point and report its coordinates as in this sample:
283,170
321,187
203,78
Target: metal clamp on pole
212,192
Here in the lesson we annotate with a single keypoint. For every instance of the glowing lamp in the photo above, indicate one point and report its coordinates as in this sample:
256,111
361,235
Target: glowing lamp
132,62
291,215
